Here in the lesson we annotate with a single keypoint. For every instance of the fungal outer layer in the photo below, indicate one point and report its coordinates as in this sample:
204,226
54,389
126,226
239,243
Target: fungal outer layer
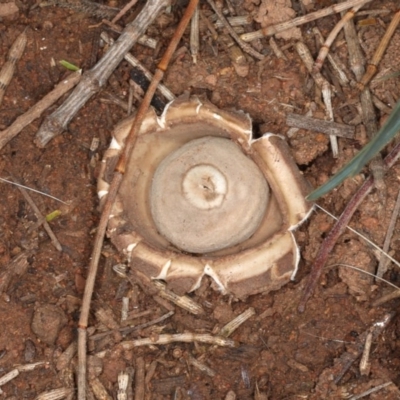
201,197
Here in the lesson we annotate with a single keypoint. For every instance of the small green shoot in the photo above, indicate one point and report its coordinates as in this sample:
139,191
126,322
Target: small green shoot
69,66
53,215
383,137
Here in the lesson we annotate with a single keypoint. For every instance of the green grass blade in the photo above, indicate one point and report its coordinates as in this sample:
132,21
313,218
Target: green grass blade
384,136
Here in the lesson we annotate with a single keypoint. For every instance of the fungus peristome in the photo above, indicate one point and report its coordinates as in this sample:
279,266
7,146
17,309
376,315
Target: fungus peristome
201,197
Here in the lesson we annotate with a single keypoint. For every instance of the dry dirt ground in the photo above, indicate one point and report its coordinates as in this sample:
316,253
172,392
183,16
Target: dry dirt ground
282,354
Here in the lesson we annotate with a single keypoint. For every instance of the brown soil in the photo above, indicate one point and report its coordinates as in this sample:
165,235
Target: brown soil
285,354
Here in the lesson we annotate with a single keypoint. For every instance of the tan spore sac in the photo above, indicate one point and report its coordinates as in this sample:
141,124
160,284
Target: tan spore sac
201,196
273,12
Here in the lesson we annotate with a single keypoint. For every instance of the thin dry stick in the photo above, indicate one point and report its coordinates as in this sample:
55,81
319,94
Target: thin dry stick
370,391
7,71
334,61
383,262
56,394
184,302
36,111
356,57
40,217
373,64
244,46
231,326
128,329
339,227
136,63
320,125
365,365
118,174
94,79
140,379
271,30
124,10
390,296
325,87
323,52
179,337
33,190
194,35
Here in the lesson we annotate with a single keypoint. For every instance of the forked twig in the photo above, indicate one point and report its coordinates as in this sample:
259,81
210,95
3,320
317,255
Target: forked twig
271,30
339,228
94,79
332,36
118,174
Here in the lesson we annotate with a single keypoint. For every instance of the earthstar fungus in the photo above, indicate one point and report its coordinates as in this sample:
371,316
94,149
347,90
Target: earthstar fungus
200,197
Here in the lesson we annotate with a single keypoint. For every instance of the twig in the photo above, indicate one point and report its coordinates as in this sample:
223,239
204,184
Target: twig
33,190
332,36
94,79
9,376
325,87
136,63
333,60
319,125
276,49
40,217
98,389
271,30
339,227
118,174
393,295
365,365
199,365
236,21
140,379
56,394
383,262
194,35
373,64
7,71
370,391
231,326
179,337
124,10
244,46
184,302
356,57
128,329
36,111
